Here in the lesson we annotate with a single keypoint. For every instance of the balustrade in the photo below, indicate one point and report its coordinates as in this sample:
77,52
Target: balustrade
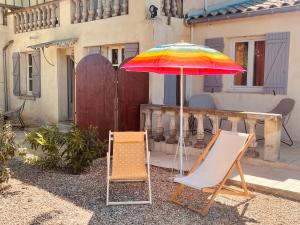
272,130
172,132
172,8
159,130
88,10
37,17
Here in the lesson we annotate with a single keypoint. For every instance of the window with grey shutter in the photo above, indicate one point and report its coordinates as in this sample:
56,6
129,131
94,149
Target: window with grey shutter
276,63
16,74
36,74
131,50
214,83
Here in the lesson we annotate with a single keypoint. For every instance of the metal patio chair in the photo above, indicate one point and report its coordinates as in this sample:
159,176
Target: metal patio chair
201,101
285,108
16,114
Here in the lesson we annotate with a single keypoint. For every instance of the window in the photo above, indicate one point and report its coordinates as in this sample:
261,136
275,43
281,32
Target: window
250,54
29,73
116,55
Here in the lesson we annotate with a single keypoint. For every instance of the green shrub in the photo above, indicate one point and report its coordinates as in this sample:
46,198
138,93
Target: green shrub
8,149
82,147
51,141
73,150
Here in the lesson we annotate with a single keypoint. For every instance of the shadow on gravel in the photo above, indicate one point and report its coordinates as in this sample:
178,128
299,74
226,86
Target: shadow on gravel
6,193
44,217
88,191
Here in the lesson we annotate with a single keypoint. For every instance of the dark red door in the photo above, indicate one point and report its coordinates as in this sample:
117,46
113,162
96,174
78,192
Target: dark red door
133,90
95,90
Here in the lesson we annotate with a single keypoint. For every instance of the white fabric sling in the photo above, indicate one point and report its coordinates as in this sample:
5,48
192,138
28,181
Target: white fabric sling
219,160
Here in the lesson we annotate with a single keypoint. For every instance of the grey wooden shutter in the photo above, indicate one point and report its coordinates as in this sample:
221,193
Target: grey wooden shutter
214,83
94,50
170,90
16,74
276,63
131,50
36,73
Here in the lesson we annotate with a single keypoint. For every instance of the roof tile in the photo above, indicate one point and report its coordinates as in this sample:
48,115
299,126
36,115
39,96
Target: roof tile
242,7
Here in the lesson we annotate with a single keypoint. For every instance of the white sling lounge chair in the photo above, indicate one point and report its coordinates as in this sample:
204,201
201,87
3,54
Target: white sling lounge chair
214,166
128,161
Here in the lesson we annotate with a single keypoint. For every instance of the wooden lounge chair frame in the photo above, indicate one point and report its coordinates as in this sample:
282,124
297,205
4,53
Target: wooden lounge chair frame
111,138
220,188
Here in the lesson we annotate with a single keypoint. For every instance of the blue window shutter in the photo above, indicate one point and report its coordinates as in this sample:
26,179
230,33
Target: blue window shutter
214,83
170,90
276,63
36,74
16,74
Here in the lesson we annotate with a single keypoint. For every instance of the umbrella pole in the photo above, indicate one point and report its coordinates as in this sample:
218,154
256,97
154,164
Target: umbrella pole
181,140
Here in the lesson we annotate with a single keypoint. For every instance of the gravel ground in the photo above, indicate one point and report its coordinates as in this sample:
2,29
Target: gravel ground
34,196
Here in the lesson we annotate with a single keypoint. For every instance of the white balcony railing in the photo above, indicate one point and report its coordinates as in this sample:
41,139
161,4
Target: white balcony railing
88,10
172,8
151,119
37,17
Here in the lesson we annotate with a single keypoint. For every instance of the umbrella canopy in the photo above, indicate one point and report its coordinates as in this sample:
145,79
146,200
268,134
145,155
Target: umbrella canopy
194,59
183,59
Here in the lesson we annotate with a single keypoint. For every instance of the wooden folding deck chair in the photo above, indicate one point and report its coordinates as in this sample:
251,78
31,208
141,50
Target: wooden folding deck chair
214,166
128,161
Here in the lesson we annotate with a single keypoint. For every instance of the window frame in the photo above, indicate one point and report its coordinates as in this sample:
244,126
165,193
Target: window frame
29,92
250,68
120,51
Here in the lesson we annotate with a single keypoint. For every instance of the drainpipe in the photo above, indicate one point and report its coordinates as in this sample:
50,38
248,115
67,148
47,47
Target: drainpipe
5,74
205,6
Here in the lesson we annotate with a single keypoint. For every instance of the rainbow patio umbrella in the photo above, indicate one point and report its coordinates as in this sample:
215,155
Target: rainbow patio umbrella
183,59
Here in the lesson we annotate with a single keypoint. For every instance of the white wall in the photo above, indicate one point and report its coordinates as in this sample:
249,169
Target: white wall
134,27
3,42
256,26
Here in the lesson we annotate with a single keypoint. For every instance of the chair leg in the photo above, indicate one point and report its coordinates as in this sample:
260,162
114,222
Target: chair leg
211,125
290,139
107,192
220,125
21,121
245,125
178,191
290,143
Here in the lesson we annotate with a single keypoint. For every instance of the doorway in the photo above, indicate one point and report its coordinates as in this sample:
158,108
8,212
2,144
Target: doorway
70,87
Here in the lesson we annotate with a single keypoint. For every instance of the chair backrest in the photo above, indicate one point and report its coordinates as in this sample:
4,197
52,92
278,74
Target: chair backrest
284,107
202,101
21,107
128,153
220,158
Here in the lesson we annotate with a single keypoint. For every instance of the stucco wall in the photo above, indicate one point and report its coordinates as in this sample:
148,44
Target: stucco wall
134,27
255,26
3,42
166,34
51,106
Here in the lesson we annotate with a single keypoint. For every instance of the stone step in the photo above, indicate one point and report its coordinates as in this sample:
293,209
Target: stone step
190,151
277,181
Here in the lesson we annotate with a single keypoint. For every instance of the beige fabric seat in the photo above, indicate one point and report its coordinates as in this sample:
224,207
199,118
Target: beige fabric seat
129,156
128,161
